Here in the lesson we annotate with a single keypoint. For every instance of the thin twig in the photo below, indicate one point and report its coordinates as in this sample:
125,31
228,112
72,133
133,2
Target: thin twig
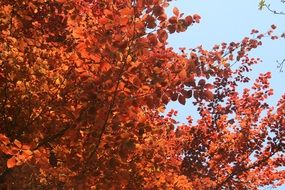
274,11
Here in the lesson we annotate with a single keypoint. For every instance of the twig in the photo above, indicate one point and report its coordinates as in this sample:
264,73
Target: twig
274,11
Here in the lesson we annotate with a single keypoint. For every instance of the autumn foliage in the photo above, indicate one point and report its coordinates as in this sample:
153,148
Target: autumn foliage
84,85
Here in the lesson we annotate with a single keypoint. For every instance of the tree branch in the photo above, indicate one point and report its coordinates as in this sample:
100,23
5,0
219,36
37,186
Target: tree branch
238,172
274,11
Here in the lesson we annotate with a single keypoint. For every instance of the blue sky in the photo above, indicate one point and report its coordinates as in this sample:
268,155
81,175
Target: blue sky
231,20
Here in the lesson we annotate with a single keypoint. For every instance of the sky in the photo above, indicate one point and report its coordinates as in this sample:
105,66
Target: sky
227,21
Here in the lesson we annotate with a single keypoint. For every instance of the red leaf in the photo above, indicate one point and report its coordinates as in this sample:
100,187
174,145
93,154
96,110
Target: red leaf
181,99
209,86
209,95
202,82
187,93
196,18
152,38
173,20
162,36
273,26
174,96
188,20
158,10
165,99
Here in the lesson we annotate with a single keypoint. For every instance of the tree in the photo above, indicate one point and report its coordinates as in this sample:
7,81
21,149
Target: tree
83,88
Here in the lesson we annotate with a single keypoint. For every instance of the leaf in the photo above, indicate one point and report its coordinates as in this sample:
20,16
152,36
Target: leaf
181,99
209,86
187,93
196,95
26,147
5,140
174,96
158,10
105,67
173,20
202,82
27,152
196,18
165,99
190,81
57,81
209,95
152,38
7,9
102,21
183,74
18,143
188,20
124,21
95,57
175,11
11,162
126,11
162,36
107,12
171,28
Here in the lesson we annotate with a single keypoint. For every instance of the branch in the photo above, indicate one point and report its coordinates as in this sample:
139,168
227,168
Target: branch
280,65
103,129
94,151
238,172
274,11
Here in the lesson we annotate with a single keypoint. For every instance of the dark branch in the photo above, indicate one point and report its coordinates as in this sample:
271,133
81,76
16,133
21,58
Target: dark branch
280,65
238,172
274,11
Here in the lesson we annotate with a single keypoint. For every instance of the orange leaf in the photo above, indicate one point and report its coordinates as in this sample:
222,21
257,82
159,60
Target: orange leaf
11,162
26,147
105,67
27,152
124,21
107,12
5,140
7,9
126,11
176,11
183,74
96,58
103,20
18,143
